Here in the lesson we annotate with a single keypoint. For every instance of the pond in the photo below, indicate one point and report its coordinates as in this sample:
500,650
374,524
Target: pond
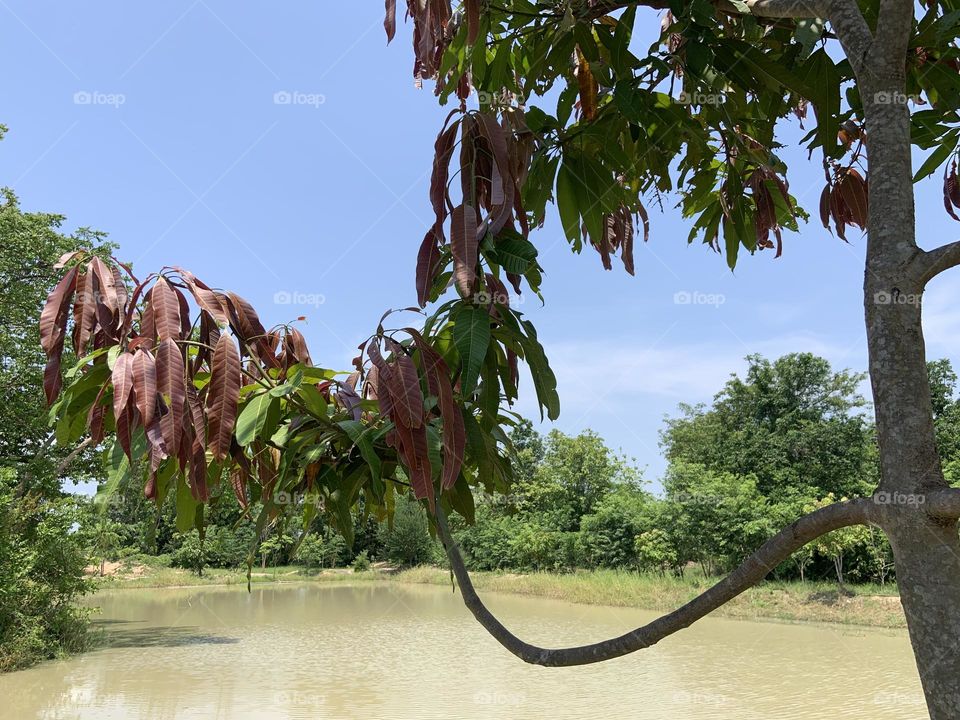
405,651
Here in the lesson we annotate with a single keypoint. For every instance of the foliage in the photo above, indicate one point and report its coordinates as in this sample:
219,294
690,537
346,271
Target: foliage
794,424
361,563
408,542
41,577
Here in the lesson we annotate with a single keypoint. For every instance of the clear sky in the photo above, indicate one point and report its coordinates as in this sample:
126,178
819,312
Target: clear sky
161,124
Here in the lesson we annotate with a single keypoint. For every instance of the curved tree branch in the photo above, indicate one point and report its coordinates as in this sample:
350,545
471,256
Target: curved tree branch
754,569
931,263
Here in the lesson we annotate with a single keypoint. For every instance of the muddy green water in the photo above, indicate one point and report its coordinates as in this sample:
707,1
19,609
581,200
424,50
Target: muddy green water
395,651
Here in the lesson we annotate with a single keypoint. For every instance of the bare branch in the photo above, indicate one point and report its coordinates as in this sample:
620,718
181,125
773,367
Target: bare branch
74,454
927,265
752,571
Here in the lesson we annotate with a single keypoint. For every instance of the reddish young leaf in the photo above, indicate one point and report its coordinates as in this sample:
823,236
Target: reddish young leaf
171,385
454,432
123,385
443,152
222,395
53,318
238,480
208,300
198,475
145,385
107,296
84,314
463,243
473,20
296,347
428,261
166,310
414,451
951,190
405,389
246,322
390,20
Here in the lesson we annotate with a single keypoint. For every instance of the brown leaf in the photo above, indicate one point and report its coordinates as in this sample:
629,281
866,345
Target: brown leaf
84,314
428,262
443,152
390,20
166,310
172,386
454,432
123,385
588,87
951,191
405,389
53,318
223,394
853,190
463,243
145,385
245,321
473,20
208,300
825,207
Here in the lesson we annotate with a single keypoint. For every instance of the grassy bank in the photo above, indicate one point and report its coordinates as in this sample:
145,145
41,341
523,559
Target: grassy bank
866,605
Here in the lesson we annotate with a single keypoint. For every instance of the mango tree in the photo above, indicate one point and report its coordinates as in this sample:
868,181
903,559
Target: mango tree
196,391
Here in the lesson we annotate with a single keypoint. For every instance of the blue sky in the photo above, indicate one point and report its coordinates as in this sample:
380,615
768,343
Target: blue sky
157,122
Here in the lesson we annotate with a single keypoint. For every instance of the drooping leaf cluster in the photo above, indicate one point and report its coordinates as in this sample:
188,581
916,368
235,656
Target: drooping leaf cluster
187,387
603,124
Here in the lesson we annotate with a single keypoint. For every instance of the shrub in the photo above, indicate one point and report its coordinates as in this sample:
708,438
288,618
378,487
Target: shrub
361,562
41,578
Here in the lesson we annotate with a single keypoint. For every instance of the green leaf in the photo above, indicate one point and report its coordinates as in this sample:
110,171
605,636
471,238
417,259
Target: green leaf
567,202
186,506
471,335
362,435
938,156
808,34
259,418
513,252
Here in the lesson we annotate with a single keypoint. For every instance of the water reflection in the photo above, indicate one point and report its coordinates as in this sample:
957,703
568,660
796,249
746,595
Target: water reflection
389,651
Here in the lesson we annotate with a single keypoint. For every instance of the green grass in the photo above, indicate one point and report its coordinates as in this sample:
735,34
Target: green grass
867,605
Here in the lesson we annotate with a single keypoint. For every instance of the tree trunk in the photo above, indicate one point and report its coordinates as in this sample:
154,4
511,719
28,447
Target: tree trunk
926,550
